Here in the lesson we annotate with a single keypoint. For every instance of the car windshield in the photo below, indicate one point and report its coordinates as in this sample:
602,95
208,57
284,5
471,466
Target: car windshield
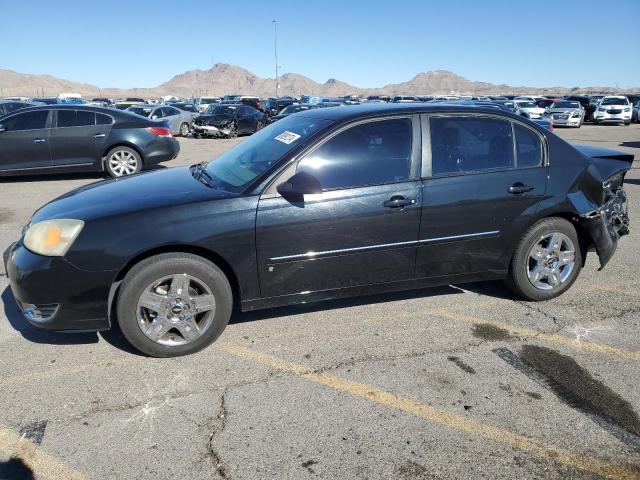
221,110
615,101
526,105
293,109
243,164
145,112
565,105
209,101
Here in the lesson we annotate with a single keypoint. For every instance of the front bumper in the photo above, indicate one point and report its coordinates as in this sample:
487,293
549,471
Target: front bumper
612,117
53,294
570,121
211,130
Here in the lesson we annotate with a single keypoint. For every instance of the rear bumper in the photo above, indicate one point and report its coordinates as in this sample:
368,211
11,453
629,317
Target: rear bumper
161,150
54,295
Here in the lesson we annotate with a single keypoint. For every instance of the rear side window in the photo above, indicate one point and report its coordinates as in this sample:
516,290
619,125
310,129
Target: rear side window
27,121
373,153
102,119
469,144
528,147
168,111
75,118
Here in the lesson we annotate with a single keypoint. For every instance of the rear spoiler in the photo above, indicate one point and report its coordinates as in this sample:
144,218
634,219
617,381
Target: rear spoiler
606,153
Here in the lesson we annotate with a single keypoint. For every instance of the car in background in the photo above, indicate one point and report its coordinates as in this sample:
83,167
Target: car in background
318,206
526,108
46,100
124,104
378,98
177,120
403,99
613,109
291,109
273,106
187,107
546,102
635,114
57,138
565,112
228,120
202,103
8,106
244,99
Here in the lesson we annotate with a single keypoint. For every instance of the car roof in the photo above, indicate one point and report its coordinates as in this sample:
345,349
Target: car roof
368,110
69,106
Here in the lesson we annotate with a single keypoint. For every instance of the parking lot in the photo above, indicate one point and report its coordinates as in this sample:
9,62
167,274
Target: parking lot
454,382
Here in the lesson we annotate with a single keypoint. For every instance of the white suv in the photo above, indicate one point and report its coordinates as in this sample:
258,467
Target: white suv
613,108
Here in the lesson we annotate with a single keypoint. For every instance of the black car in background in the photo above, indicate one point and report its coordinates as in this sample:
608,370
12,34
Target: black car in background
56,138
8,106
228,120
322,204
273,106
298,107
585,102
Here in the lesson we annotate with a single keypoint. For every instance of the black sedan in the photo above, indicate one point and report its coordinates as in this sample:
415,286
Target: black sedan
323,204
228,120
58,138
298,107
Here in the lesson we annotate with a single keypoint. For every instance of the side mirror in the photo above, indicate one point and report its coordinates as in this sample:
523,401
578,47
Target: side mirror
2,128
302,183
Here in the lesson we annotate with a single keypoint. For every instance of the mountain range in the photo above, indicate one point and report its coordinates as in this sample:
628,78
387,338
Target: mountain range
229,79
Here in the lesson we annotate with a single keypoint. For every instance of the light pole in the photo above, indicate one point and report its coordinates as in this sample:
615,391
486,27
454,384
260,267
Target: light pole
275,51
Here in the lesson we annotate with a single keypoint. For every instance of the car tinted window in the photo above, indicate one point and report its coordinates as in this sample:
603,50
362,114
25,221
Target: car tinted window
102,119
158,113
27,121
168,111
369,154
528,147
465,144
75,118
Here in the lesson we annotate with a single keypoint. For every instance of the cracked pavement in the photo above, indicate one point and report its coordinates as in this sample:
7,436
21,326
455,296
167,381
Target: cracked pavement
293,409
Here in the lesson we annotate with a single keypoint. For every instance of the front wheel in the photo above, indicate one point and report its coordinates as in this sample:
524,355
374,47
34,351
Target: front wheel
185,129
233,131
174,304
122,161
547,261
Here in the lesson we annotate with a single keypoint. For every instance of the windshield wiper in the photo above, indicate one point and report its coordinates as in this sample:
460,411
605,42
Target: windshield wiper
200,173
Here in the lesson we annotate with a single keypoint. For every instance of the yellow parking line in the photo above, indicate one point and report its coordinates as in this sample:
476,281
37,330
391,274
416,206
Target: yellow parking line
528,332
441,417
41,463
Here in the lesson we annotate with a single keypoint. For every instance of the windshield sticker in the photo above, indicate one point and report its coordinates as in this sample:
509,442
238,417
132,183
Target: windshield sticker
287,137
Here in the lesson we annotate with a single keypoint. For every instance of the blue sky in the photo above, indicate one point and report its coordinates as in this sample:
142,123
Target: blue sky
141,43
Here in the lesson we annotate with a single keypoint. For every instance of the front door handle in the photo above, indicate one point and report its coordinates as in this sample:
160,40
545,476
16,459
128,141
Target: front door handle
519,187
399,202
40,140
99,135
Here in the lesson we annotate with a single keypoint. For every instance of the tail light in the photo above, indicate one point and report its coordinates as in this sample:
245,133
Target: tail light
160,131
551,127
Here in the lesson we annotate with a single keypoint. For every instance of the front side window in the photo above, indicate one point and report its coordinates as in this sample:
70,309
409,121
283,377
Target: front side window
372,153
468,144
75,118
528,147
27,121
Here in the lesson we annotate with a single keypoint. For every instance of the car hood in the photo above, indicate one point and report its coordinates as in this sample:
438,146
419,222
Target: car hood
120,196
532,109
214,119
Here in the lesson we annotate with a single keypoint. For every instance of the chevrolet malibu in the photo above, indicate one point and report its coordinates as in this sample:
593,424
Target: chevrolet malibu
564,112
322,204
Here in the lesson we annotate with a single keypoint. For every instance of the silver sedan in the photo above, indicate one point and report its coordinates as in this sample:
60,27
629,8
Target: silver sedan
177,120
567,113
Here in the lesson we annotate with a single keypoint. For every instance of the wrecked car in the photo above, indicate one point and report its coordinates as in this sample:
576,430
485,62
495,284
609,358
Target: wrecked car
322,204
229,121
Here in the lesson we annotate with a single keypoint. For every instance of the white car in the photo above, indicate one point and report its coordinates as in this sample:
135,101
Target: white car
527,108
565,112
613,108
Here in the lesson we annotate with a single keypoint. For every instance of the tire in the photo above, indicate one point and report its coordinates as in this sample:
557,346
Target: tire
259,126
522,269
627,123
233,131
176,325
122,161
185,129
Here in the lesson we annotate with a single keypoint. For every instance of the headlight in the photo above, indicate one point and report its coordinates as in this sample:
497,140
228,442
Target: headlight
52,238
575,114
628,109
601,109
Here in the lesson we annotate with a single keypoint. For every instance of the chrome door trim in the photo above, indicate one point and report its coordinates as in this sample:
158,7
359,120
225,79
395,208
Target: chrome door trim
328,253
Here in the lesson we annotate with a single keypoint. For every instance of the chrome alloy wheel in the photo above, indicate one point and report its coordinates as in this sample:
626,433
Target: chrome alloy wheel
551,261
176,310
123,163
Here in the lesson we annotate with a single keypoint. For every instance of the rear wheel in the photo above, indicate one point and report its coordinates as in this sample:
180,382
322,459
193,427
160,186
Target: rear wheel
547,261
122,161
174,304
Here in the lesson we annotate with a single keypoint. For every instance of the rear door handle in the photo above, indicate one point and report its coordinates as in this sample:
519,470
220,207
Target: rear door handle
99,135
39,140
518,187
399,202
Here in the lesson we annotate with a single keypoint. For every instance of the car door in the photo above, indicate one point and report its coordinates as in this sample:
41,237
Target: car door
173,116
24,141
480,190
76,140
243,120
363,227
